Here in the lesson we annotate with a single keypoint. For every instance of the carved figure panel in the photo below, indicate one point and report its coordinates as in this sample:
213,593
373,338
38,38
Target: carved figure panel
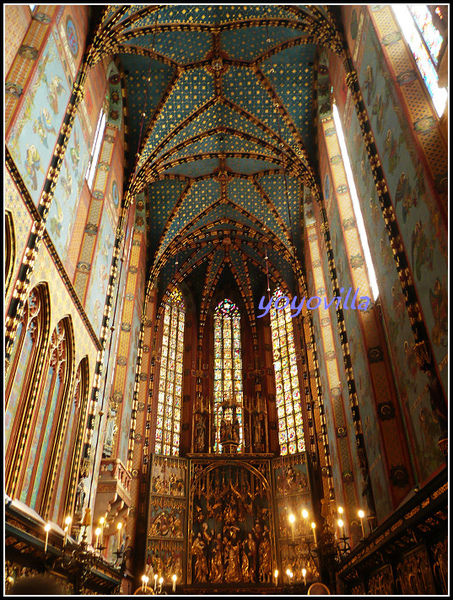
415,575
230,524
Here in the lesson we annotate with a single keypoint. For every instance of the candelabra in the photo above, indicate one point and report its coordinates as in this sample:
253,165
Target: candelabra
77,562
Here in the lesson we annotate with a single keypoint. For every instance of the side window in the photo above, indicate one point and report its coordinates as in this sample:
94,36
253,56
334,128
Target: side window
94,157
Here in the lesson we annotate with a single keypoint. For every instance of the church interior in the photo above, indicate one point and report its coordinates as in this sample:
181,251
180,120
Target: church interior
226,299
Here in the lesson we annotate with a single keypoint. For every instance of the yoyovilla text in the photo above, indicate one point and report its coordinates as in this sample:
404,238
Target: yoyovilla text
314,302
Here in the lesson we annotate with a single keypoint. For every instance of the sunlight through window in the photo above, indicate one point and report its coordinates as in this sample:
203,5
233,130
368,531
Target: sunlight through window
356,204
422,57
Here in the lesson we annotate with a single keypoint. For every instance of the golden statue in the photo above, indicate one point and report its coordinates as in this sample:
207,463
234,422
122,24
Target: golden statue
201,564
216,561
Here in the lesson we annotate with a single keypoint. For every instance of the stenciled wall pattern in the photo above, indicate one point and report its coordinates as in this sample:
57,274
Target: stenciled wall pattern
22,223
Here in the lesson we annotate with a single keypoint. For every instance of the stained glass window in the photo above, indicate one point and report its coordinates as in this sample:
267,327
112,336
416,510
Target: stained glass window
425,42
289,408
429,32
168,422
227,365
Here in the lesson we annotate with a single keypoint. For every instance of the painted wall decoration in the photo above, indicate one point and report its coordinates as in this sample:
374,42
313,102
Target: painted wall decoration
421,242
100,267
32,138
63,210
21,221
128,396
424,233
71,34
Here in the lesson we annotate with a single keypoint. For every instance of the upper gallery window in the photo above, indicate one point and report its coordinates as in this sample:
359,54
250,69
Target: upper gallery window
227,368
356,204
94,156
425,42
289,408
168,424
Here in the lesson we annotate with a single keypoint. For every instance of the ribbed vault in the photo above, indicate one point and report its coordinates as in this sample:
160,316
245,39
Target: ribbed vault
221,134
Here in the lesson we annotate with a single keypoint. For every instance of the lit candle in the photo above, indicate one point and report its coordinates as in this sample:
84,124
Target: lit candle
155,582
304,575
161,580
46,529
292,519
174,583
340,510
120,525
361,515
68,522
98,533
101,523
143,583
276,577
305,513
313,526
340,525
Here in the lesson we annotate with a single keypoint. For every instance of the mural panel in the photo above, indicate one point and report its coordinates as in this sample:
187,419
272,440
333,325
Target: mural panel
63,210
424,233
411,382
32,138
100,268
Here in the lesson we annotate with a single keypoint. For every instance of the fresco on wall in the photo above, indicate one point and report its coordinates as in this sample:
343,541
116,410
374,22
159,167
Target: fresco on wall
32,138
63,210
100,267
424,235
409,379
362,380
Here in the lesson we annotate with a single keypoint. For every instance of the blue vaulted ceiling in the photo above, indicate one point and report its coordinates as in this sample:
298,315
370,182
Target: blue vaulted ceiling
221,134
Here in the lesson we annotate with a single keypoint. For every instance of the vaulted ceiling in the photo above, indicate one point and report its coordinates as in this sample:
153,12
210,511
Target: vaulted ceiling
221,134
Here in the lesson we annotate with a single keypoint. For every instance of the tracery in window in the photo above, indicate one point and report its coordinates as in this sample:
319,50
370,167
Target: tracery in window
28,343
168,423
289,407
227,367
42,451
74,429
425,49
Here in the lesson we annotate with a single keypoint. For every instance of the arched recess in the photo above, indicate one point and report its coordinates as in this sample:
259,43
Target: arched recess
47,421
23,378
71,441
10,248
